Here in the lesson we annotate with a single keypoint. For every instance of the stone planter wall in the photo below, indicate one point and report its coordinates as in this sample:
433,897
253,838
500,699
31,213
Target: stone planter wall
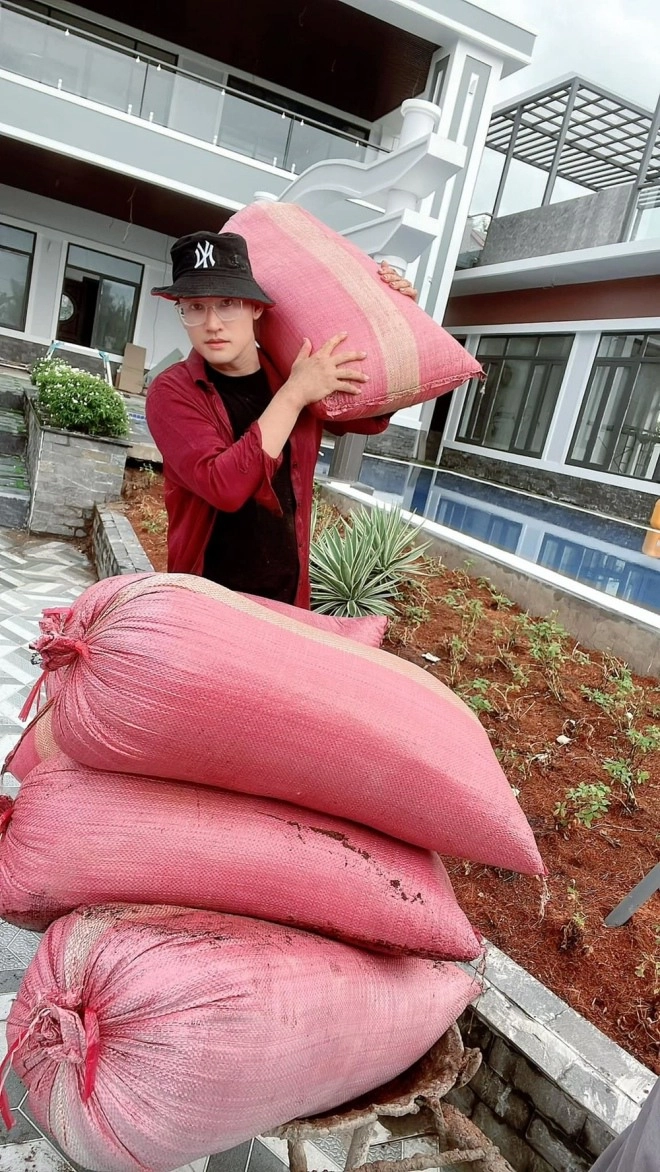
552,1091
117,549
69,473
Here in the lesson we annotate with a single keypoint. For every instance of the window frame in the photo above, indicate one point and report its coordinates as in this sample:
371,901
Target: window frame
28,277
630,366
103,276
535,360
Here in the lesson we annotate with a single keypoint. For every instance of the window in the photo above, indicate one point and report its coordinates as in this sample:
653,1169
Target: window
513,409
619,426
16,252
99,300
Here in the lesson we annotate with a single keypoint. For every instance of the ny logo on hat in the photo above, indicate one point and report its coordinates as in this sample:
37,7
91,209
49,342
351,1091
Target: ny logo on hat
204,256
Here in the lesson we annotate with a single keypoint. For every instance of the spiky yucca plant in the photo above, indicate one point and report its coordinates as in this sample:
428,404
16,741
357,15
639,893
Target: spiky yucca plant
356,567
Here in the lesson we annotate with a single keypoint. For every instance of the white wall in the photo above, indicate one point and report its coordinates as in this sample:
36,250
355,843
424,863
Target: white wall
57,225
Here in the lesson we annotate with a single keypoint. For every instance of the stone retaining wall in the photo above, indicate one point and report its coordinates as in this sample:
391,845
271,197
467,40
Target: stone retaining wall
628,503
397,441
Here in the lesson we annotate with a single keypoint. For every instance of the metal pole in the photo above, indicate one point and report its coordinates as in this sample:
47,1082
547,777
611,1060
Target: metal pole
645,162
507,161
566,121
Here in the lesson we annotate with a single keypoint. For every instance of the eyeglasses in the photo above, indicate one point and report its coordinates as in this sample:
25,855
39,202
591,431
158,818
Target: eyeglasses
195,313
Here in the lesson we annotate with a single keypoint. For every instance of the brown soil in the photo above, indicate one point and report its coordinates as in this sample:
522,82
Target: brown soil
550,738
144,506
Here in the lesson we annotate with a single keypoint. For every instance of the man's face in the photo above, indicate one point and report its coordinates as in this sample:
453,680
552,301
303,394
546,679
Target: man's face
223,330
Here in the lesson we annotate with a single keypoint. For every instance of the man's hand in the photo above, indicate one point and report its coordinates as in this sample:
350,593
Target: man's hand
396,281
315,376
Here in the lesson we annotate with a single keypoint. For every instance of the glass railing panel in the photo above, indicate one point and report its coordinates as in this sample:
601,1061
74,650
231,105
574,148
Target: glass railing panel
254,131
311,144
22,44
84,65
158,94
195,108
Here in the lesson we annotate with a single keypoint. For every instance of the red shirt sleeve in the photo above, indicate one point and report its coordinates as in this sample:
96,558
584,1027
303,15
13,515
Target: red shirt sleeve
202,456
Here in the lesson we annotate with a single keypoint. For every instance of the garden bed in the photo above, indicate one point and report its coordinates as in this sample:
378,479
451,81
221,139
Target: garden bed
561,719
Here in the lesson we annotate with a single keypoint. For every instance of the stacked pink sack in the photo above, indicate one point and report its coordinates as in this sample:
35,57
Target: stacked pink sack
229,817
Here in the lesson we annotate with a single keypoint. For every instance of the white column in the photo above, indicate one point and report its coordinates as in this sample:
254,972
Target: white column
571,395
467,102
456,407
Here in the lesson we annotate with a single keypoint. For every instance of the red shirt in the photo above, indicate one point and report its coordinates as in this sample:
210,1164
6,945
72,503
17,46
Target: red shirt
206,469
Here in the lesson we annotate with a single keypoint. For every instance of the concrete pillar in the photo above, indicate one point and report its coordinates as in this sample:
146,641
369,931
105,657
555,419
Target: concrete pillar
571,396
468,98
346,458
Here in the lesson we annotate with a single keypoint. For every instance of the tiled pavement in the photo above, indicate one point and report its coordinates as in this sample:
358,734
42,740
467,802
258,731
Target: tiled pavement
37,573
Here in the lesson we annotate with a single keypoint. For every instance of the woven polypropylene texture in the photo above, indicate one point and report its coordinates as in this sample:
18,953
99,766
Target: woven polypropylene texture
195,1031
369,630
171,676
410,358
78,836
37,744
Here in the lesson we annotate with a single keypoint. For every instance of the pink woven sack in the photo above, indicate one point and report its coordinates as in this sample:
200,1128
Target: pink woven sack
37,743
410,358
369,630
171,676
76,836
149,1037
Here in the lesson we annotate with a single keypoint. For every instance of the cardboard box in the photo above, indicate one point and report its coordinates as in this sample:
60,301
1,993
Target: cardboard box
131,373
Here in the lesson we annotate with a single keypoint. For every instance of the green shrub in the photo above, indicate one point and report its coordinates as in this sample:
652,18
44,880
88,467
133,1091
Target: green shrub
73,400
356,567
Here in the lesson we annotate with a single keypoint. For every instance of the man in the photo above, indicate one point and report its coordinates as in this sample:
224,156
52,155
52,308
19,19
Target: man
239,446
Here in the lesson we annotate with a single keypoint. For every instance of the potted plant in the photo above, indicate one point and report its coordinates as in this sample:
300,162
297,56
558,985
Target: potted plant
78,432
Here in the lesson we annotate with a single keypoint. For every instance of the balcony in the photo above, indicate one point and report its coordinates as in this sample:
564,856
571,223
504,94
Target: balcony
149,117
603,149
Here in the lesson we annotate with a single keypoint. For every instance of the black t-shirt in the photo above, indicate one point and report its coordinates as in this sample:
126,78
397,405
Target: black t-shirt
253,550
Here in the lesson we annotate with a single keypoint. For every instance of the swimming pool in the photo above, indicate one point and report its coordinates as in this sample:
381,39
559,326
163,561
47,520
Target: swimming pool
619,558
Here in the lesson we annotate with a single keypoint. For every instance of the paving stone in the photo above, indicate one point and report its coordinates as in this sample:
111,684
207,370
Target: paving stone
36,1154
600,1097
604,1054
235,1160
22,1131
262,1160
521,987
10,980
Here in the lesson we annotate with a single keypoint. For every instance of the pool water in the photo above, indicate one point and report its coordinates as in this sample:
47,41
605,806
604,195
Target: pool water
619,558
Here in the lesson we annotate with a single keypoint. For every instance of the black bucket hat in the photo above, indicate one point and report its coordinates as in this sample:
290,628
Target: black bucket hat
212,264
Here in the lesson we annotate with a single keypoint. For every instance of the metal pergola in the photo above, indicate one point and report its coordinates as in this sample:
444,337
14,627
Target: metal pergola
578,131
